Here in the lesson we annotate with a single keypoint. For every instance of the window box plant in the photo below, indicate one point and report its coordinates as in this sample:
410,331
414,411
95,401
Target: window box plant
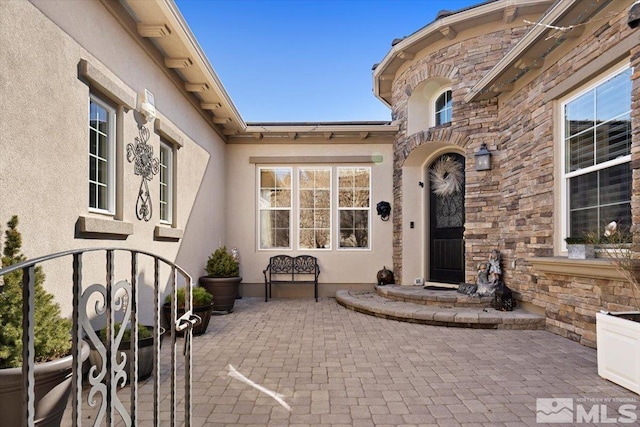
618,333
222,279
52,344
580,247
145,349
202,307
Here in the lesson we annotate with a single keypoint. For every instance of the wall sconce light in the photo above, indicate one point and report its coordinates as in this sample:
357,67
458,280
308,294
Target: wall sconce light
483,158
147,105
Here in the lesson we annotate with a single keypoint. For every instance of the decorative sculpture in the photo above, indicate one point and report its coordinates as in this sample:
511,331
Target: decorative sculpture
385,277
488,277
145,165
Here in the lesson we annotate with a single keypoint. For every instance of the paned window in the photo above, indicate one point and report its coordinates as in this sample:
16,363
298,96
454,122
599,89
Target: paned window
354,191
275,207
101,156
597,153
166,183
443,108
315,208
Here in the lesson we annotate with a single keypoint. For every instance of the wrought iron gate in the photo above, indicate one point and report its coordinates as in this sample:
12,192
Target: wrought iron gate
112,300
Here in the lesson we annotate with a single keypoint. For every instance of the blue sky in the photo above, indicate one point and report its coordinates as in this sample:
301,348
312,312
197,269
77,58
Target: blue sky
305,60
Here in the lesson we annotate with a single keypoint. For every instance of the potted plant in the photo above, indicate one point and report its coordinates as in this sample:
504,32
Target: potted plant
202,307
52,344
582,247
222,279
618,333
145,349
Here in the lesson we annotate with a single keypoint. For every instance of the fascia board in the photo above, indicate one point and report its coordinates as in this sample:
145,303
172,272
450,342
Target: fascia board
554,14
172,13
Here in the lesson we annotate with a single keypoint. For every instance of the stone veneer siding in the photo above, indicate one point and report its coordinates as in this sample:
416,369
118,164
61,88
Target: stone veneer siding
512,207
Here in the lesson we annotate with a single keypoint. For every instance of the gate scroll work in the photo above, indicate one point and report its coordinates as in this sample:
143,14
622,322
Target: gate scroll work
108,390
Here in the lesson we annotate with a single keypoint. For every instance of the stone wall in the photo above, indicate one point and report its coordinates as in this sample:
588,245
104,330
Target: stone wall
513,207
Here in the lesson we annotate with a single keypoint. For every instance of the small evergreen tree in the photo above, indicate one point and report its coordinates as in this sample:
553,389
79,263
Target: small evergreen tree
52,332
222,264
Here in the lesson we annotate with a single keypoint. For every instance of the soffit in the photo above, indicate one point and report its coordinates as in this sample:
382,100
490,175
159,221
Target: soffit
448,28
564,21
160,21
327,132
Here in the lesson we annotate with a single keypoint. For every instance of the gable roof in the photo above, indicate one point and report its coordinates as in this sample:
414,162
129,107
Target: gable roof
447,27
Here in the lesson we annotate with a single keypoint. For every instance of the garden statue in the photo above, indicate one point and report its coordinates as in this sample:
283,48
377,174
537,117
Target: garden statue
488,277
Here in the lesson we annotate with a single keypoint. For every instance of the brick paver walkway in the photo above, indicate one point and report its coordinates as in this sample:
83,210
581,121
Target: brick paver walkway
336,367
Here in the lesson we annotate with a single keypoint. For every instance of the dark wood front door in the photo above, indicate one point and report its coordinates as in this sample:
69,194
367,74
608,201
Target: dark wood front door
446,187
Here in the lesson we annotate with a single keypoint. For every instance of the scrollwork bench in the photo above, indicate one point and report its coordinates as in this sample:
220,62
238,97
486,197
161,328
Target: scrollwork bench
302,269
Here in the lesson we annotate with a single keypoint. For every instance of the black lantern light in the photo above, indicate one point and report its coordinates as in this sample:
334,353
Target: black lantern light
483,158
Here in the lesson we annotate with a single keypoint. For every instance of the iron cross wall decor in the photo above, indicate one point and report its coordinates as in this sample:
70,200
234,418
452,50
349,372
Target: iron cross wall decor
145,165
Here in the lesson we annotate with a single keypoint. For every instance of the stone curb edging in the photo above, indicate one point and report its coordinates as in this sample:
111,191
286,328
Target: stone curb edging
464,317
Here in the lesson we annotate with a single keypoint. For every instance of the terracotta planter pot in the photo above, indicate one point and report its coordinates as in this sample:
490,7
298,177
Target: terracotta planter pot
145,356
52,389
204,311
224,291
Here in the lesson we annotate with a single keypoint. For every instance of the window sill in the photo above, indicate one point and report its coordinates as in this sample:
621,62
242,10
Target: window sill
167,233
595,268
105,228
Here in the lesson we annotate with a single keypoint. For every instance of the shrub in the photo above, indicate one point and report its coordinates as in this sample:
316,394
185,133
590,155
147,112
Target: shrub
52,332
199,295
143,332
222,264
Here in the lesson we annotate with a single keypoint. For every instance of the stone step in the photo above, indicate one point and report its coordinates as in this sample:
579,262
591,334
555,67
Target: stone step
373,304
425,296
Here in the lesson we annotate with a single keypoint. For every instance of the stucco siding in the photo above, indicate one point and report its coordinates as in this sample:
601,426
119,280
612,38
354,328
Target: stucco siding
44,145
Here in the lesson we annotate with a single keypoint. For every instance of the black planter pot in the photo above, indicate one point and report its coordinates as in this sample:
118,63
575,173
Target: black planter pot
145,355
224,291
52,389
204,311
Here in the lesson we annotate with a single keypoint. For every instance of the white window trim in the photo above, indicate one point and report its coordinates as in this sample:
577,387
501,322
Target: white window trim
338,209
434,100
562,161
298,169
169,152
290,208
111,153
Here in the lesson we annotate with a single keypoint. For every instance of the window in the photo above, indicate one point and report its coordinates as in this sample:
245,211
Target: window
101,156
443,108
315,208
597,153
354,190
275,207
166,183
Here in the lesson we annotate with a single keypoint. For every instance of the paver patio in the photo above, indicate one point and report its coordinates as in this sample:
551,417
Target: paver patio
337,367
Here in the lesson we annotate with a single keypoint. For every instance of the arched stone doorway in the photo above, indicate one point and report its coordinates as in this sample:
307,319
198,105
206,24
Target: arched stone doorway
446,216
414,218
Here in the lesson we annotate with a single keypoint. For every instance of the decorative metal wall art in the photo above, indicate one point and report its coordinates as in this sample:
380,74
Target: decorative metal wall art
145,165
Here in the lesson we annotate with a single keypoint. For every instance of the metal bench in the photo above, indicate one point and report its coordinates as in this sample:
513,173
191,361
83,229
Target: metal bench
302,269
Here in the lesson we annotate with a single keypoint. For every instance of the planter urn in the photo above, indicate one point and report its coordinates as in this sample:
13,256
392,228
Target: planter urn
52,389
618,340
224,291
581,251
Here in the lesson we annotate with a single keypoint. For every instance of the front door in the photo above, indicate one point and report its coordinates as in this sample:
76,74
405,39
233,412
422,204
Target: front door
446,249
